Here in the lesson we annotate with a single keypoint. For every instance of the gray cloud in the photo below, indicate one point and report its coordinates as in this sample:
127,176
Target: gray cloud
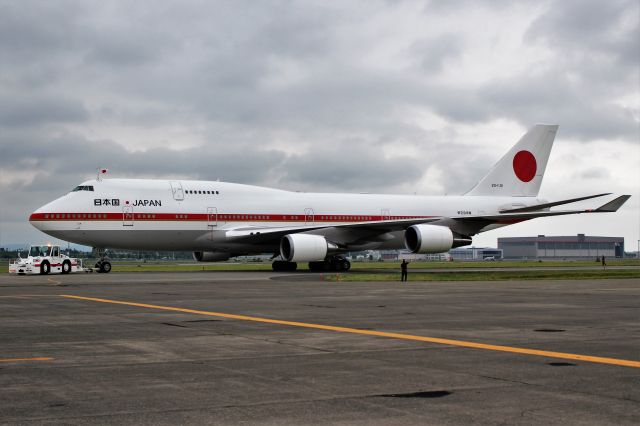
338,172
432,54
311,96
68,159
23,110
593,173
554,97
592,30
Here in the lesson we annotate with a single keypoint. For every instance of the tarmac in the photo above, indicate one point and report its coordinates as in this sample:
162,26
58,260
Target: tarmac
290,349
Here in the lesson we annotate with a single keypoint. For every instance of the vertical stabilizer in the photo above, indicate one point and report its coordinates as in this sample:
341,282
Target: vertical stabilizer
519,173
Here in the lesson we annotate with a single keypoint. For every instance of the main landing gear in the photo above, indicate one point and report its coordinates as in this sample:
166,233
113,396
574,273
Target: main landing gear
284,266
103,265
330,264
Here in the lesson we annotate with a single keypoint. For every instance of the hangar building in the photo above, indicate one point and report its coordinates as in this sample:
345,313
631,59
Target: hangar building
563,247
475,253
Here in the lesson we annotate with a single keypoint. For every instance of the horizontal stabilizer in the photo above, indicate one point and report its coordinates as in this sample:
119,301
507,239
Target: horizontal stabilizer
613,205
553,204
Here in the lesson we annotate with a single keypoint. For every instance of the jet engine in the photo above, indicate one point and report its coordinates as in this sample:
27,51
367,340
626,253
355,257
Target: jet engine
304,247
211,256
428,239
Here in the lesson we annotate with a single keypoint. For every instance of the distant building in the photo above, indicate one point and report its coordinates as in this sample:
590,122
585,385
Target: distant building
470,253
563,247
389,254
475,253
393,255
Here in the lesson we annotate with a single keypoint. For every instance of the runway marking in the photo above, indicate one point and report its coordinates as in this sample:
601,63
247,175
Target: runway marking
24,296
450,342
25,359
56,282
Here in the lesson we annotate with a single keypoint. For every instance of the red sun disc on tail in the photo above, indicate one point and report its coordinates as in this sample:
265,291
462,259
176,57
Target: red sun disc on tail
525,166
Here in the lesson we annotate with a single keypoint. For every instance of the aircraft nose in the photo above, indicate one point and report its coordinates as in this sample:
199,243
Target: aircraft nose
37,218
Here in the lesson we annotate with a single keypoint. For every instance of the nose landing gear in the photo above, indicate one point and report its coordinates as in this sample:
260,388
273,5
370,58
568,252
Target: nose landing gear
103,265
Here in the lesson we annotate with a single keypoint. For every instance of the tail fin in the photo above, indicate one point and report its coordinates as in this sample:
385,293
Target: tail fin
519,173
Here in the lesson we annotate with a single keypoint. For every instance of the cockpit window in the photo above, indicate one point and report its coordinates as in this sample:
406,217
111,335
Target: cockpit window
82,188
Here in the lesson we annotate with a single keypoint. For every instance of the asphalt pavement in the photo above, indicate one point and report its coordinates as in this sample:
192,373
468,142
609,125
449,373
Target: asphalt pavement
290,349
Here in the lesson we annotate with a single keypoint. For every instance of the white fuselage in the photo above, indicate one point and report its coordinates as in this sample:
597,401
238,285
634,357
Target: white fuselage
196,215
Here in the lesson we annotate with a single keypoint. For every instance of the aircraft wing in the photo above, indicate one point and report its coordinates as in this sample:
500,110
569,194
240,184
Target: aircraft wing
470,225
555,203
536,211
614,205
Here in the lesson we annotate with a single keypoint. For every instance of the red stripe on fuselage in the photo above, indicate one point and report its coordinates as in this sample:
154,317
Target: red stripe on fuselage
203,217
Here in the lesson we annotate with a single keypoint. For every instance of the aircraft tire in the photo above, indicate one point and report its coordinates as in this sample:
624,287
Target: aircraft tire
317,266
45,268
105,267
66,267
346,265
282,266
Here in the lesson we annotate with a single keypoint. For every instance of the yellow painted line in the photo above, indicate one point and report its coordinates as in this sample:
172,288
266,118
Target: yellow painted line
25,359
450,342
54,281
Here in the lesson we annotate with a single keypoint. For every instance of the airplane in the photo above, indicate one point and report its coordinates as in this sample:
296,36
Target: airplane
219,220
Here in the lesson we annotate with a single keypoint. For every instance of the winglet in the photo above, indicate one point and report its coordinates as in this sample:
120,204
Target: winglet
613,205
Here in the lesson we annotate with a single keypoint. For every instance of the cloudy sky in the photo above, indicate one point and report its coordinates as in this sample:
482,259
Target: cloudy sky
354,96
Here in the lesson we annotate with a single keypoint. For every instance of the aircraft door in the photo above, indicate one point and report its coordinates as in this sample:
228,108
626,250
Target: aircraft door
176,190
212,217
212,220
308,216
127,216
386,214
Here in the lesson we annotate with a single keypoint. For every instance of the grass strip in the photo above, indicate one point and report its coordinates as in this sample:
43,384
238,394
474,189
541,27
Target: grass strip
487,276
496,264
177,266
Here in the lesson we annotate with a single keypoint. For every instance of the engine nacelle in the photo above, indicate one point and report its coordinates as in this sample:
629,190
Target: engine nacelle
428,239
303,248
211,256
